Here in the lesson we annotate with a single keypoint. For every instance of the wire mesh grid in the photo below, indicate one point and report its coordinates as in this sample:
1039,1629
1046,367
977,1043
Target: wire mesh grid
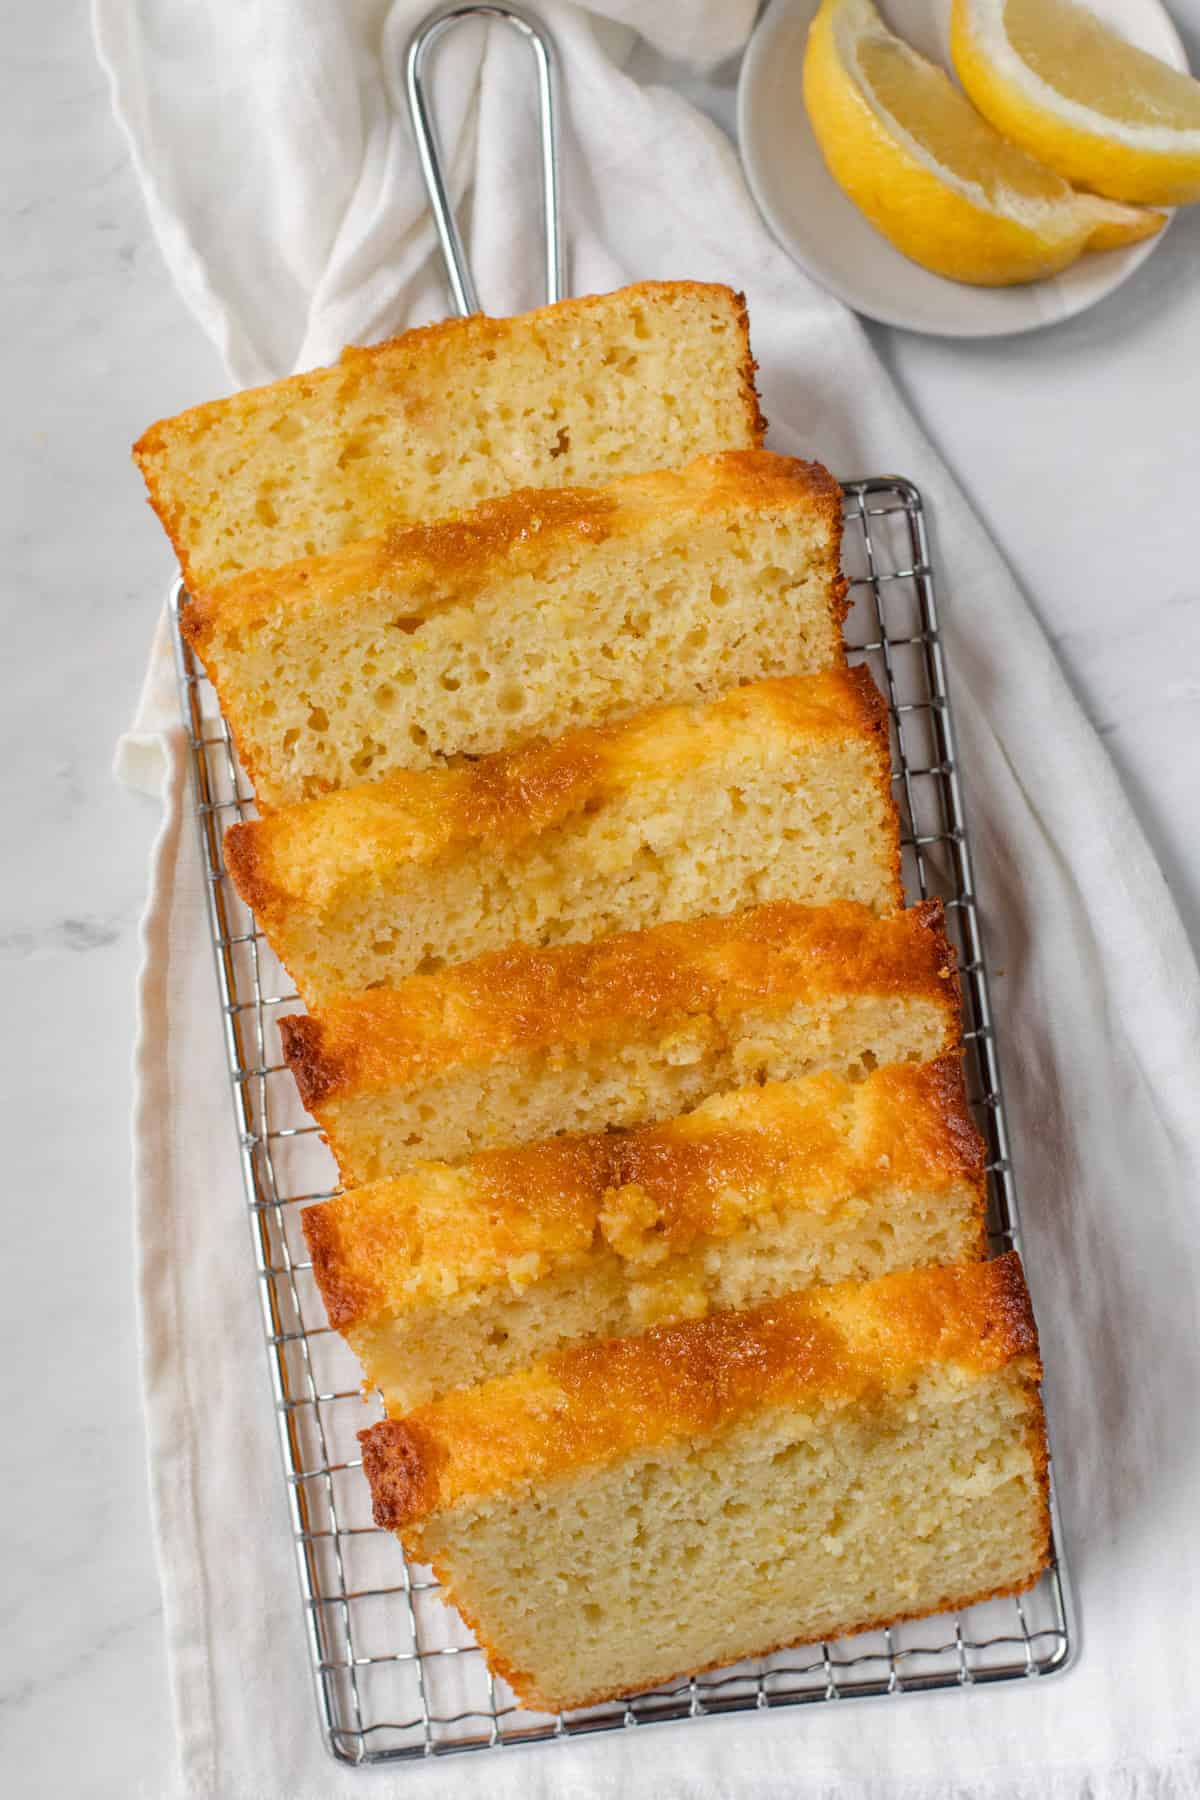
397,1674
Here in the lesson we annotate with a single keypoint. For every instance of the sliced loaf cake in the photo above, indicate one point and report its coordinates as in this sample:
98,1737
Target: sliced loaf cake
450,1275
640,1509
531,615
778,790
522,1044
647,377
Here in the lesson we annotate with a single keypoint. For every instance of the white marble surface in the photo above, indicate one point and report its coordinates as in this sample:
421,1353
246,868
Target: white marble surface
1078,446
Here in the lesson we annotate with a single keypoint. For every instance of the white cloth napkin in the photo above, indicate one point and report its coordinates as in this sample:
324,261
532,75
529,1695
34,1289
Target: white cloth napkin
277,166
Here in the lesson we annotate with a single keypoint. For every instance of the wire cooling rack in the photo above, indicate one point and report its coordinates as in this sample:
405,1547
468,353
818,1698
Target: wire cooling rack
397,1674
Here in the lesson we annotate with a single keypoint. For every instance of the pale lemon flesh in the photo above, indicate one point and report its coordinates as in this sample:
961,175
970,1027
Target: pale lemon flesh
919,98
1083,60
1057,80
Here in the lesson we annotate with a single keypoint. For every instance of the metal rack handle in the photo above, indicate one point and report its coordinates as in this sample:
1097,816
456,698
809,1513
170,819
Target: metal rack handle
462,285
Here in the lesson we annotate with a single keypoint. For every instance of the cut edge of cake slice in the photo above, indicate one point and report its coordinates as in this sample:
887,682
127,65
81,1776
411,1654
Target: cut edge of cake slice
443,416
452,1275
528,616
779,790
523,1044
631,1512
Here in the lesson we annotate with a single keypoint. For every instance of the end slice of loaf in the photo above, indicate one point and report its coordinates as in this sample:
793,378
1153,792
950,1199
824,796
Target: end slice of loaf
451,1275
645,1508
647,377
529,616
778,790
523,1044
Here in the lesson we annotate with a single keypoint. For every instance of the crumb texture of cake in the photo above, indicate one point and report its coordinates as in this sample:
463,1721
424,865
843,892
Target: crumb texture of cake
451,1275
639,1509
648,377
523,1044
777,791
529,616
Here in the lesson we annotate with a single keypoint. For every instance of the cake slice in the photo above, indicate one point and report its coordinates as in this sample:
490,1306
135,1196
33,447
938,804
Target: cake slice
647,377
779,790
450,1275
522,1044
640,1509
528,616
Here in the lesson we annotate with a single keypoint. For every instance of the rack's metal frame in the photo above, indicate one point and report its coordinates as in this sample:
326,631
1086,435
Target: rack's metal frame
396,1675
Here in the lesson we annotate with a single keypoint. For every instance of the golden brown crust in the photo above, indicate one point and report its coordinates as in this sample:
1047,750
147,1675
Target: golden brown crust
308,855
597,1402
401,1461
455,559
392,364
342,1287
149,447
756,419
246,849
937,1095
648,1193
523,999
300,1036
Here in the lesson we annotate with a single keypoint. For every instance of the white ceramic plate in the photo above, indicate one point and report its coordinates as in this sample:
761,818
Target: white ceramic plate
827,235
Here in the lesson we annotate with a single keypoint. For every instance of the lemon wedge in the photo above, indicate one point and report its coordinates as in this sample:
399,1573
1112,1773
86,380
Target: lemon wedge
932,175
1050,76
